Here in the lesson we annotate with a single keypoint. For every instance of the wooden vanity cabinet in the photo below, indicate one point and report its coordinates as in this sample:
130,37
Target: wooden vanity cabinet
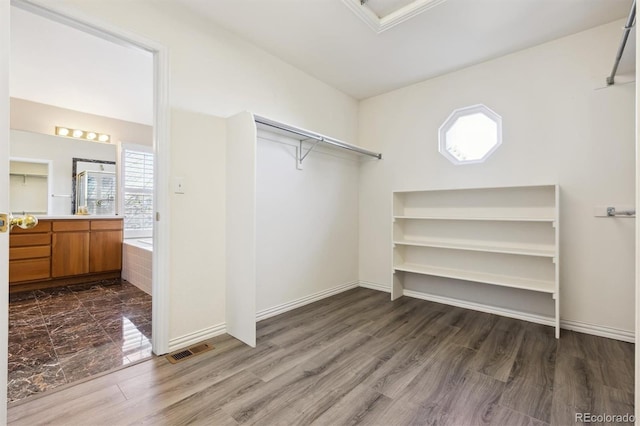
70,248
105,253
30,253
65,251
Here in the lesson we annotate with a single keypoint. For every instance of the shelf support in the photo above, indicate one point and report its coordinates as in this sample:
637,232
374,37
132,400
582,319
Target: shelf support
300,149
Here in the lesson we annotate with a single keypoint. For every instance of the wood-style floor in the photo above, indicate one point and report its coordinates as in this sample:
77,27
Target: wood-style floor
359,358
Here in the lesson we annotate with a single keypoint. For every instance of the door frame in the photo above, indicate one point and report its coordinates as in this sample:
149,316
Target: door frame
161,148
5,49
637,254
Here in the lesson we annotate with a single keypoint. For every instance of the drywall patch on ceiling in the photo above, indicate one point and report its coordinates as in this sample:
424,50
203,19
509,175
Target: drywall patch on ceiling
380,15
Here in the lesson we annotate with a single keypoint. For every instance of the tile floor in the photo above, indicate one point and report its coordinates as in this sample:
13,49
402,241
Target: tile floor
61,335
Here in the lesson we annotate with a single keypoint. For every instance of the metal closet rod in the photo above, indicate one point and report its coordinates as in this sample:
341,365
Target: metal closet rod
316,136
625,35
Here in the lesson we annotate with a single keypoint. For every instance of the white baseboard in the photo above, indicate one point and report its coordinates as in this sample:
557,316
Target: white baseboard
216,330
375,286
525,316
196,337
598,330
280,309
582,327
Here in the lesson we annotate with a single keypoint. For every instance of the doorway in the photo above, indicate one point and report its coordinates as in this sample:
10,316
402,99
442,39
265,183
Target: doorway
83,297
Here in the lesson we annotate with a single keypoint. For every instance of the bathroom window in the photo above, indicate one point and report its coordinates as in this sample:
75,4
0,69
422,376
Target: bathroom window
470,135
137,172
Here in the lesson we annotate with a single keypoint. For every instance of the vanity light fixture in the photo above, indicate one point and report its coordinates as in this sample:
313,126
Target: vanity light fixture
82,134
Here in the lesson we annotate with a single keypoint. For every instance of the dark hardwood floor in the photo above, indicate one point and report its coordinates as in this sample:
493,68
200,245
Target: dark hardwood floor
358,358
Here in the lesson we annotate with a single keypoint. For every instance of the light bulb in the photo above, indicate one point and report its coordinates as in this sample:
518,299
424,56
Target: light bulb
103,138
63,131
77,133
91,136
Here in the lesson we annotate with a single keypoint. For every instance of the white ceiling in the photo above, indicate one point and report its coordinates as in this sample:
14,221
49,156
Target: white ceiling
325,39
54,64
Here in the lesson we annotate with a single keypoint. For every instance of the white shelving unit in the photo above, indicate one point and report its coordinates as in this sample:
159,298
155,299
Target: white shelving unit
506,236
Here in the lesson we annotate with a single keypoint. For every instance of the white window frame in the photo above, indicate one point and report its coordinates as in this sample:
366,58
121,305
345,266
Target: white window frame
451,121
132,233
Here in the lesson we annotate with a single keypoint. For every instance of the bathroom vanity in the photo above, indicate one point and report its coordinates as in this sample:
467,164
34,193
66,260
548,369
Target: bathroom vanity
65,250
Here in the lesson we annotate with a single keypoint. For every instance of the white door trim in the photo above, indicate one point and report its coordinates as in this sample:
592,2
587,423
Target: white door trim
5,47
161,146
637,254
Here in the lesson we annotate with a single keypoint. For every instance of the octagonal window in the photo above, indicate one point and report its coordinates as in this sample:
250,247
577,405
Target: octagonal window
470,134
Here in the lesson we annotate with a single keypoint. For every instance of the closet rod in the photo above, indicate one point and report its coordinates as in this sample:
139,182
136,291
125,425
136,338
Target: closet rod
316,136
625,35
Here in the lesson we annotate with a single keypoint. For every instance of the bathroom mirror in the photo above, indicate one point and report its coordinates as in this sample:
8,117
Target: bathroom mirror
59,152
29,186
94,188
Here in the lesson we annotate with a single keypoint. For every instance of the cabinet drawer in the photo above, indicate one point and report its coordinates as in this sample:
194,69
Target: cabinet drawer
29,240
42,226
98,225
28,270
70,225
16,253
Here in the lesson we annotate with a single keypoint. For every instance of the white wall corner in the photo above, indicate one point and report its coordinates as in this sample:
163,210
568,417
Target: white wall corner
297,303
598,330
196,337
374,286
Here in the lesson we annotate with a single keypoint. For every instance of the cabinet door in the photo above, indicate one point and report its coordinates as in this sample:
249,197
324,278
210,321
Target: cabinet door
70,254
106,251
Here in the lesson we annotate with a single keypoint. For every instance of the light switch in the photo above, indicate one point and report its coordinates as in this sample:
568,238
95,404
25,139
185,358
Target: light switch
178,185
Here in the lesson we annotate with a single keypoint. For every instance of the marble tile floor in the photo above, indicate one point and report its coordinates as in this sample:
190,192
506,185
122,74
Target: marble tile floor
64,334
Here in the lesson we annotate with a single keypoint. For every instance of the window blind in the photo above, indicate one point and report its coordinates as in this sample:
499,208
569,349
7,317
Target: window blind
138,190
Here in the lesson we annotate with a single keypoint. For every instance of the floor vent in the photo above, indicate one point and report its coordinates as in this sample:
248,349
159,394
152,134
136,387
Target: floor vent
189,352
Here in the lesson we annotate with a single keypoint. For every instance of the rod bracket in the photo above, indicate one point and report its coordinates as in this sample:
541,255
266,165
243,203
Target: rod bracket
612,212
301,155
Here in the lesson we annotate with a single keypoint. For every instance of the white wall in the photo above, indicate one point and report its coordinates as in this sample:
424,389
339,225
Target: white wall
41,118
559,127
197,293
60,151
307,221
214,73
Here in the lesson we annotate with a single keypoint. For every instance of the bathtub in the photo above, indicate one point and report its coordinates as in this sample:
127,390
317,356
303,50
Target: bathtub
136,262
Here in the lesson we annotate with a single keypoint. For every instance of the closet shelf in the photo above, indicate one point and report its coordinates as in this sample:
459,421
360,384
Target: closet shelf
476,218
482,247
298,133
29,175
543,286
506,237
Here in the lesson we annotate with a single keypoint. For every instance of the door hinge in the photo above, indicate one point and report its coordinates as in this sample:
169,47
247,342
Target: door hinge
4,222
157,216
